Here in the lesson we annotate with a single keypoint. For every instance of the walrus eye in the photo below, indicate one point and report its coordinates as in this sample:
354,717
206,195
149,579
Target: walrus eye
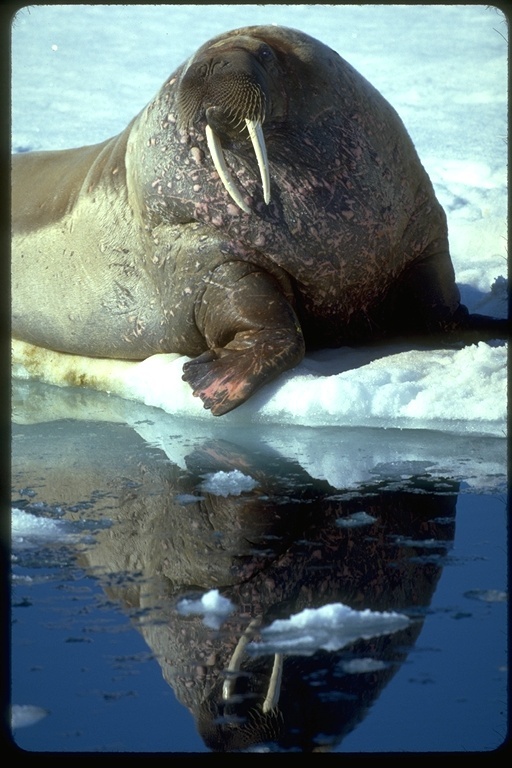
265,53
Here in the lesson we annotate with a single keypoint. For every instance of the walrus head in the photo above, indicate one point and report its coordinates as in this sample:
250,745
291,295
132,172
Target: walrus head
229,86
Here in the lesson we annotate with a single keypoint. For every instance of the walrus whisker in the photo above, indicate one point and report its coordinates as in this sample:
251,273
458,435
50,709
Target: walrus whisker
260,149
219,162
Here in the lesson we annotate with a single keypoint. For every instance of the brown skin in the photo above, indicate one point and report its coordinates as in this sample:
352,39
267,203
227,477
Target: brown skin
133,247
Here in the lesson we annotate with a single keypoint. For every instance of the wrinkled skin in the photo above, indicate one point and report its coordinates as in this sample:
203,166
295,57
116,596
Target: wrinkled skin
135,246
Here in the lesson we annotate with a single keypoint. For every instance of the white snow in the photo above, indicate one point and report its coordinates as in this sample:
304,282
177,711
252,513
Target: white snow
356,520
487,595
80,73
28,530
212,606
227,483
330,627
357,666
23,715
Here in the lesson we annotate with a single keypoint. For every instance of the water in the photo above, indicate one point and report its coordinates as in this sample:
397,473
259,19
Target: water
111,531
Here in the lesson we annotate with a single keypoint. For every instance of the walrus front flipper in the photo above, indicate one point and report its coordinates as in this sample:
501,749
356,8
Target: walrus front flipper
252,333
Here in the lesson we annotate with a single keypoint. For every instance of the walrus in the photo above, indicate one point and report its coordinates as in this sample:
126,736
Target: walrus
266,201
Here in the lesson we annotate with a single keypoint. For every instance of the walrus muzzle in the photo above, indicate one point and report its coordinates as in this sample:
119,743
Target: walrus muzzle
227,92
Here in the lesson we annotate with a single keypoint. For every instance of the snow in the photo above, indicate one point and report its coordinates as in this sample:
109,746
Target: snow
212,606
487,595
28,530
23,715
356,520
330,627
356,666
227,483
444,68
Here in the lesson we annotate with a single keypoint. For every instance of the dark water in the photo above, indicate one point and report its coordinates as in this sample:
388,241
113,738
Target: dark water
97,641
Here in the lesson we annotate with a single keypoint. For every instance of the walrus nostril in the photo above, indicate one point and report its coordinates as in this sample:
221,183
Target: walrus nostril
218,66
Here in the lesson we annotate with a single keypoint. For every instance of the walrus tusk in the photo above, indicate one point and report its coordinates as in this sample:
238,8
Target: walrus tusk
258,143
215,148
260,149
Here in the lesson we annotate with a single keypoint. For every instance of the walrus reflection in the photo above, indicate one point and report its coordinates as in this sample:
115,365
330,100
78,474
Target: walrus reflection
272,551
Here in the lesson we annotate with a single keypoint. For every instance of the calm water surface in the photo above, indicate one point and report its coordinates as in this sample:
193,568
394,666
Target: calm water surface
98,644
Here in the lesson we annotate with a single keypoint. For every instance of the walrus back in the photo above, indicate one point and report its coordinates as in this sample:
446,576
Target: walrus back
45,185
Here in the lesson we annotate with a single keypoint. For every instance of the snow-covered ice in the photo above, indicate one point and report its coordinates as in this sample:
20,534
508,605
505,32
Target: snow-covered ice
228,483
23,715
214,608
28,530
330,627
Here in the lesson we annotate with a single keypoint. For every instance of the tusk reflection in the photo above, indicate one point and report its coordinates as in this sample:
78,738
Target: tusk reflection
274,686
236,659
